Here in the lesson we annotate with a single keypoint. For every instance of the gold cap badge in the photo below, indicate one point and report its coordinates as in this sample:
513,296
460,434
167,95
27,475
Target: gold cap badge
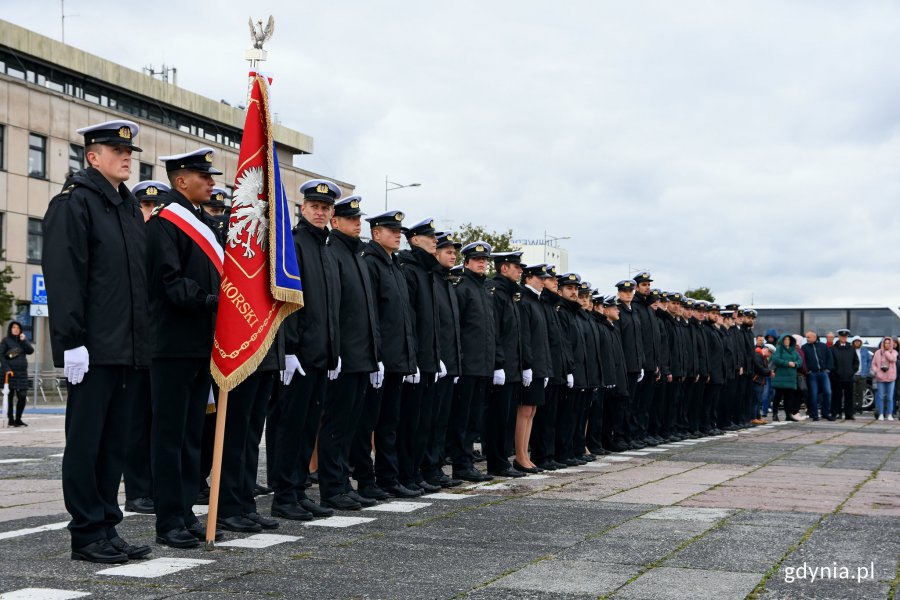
572,277
322,188
399,216
208,157
220,196
151,191
479,248
449,238
125,133
354,204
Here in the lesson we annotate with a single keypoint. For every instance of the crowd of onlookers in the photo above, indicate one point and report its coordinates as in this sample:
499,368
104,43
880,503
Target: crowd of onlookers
829,377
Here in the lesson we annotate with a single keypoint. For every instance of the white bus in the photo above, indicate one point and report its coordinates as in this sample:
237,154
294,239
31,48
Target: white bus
871,322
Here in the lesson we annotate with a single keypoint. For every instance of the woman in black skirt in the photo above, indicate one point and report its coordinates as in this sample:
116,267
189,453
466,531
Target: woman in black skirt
13,350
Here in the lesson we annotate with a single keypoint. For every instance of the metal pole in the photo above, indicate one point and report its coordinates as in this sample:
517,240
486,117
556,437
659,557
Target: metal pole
35,327
385,192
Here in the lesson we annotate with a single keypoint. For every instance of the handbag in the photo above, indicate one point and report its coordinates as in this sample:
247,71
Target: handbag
12,353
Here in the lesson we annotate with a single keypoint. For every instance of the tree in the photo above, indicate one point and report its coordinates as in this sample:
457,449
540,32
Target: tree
500,242
701,293
6,296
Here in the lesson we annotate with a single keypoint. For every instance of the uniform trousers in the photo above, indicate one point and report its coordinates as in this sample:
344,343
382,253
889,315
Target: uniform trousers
709,410
543,430
583,400
843,398
629,422
433,461
340,417
657,415
380,416
460,434
97,414
566,422
645,391
138,476
500,401
414,427
180,390
295,420
594,435
244,422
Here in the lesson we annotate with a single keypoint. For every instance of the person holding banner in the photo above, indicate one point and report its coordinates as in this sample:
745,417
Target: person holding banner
93,263
184,262
311,343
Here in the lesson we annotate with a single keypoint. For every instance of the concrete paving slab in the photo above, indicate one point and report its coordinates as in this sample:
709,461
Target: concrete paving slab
689,584
568,577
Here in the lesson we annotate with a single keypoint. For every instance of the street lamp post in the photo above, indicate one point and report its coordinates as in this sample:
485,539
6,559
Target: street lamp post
550,238
397,186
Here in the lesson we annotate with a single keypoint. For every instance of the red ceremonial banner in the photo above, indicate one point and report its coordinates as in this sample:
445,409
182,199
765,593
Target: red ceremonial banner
251,304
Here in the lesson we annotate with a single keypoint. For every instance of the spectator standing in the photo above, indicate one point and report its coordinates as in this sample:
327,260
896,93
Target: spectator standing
787,362
762,382
819,363
862,376
846,365
884,368
13,349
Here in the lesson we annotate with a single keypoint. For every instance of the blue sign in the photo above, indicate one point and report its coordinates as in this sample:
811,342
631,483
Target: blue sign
38,290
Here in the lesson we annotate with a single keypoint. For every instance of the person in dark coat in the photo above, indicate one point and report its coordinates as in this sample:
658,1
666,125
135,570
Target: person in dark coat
567,410
397,339
662,388
596,422
631,329
543,432
650,338
846,365
93,264
584,399
537,364
184,288
819,364
312,347
478,342
417,407
449,345
503,395
13,349
615,398
715,346
673,374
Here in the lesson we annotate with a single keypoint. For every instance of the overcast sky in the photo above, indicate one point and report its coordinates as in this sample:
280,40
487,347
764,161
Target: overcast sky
751,147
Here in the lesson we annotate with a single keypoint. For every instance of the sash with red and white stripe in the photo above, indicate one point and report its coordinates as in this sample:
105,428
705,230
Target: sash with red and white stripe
197,230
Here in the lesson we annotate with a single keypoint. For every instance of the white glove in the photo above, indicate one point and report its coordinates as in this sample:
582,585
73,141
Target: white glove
456,380
546,381
527,376
333,374
76,364
376,378
499,377
641,376
291,364
570,381
443,371
413,378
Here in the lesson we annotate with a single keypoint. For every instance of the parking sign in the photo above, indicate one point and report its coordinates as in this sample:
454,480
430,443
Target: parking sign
38,290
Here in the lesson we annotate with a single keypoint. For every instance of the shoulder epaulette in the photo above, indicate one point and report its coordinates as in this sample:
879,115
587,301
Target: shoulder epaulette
157,210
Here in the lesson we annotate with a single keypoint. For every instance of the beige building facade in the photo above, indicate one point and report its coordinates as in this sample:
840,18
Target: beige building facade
47,91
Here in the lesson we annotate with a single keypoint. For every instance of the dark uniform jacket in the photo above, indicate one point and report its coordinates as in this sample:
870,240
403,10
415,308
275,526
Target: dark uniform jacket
590,338
846,362
476,325
664,359
417,265
731,349
508,325
649,333
749,348
675,350
394,317
606,351
621,376
358,344
12,359
701,352
632,338
184,288
560,353
312,333
572,335
448,324
535,336
93,263
715,351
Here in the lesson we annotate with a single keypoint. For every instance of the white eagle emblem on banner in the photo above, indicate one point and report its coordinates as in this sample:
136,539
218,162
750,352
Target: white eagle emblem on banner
248,213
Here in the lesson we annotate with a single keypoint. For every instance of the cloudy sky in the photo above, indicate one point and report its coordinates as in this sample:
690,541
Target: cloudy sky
751,147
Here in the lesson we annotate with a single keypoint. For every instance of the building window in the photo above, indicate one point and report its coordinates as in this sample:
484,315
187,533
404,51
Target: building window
76,158
2,147
2,240
35,240
37,156
146,171
296,214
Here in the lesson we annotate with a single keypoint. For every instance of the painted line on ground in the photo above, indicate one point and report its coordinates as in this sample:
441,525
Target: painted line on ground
339,522
157,567
260,540
42,594
398,507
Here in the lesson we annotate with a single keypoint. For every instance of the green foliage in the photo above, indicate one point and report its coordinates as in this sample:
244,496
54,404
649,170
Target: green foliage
701,293
499,241
6,296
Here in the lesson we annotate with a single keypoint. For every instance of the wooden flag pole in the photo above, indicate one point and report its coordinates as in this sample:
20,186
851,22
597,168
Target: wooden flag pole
216,470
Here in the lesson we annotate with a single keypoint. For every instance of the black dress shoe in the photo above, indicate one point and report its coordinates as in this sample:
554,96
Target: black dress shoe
832,418
21,423
316,510
238,523
428,487
587,458
292,512
373,491
199,531
202,497
144,506
510,472
637,445
101,551
445,482
264,522
261,490
365,502
547,465
401,491
519,467
12,423
314,477
341,502
471,474
131,551
569,462
177,538
478,456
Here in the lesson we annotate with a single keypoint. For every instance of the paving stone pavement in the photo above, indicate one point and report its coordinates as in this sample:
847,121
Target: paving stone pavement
802,510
